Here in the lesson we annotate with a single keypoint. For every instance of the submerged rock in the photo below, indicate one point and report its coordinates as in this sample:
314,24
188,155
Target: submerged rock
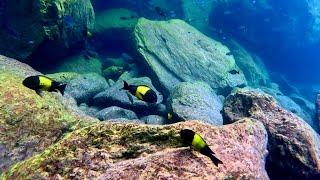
30,123
132,151
154,119
86,86
51,26
251,65
196,101
293,145
115,112
175,52
115,96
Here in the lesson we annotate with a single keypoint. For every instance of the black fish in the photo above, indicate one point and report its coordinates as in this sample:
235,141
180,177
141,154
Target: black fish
194,140
42,83
142,92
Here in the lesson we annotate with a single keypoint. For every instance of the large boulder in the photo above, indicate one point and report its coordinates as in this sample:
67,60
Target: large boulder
293,145
86,86
132,151
115,112
30,123
53,26
174,51
196,101
116,96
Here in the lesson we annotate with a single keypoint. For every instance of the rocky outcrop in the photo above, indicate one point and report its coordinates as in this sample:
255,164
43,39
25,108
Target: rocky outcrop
174,51
30,123
51,26
132,151
84,87
195,100
293,145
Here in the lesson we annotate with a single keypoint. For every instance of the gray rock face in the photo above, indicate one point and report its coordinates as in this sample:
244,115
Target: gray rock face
85,87
154,119
115,112
176,52
197,100
115,96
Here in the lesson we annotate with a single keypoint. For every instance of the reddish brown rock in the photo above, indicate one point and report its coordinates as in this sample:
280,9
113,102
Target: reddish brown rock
318,109
133,151
293,145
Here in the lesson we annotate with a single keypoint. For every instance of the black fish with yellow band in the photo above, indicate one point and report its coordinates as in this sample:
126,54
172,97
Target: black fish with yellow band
194,140
142,92
42,83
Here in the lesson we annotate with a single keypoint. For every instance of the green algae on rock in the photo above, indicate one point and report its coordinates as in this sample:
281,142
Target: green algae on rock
133,151
175,52
38,24
30,123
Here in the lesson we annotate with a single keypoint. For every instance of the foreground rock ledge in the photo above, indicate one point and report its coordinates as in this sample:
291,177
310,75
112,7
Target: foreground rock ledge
293,145
132,151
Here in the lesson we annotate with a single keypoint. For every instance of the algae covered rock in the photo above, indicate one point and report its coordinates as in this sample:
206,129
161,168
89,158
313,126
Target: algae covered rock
29,123
196,101
293,145
53,26
133,151
175,52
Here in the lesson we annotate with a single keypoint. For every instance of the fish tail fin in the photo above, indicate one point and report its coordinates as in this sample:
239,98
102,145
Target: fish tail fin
215,160
125,85
61,88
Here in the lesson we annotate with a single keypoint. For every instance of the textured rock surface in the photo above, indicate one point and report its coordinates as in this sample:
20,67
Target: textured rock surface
154,119
86,86
115,112
293,145
196,101
40,24
131,151
290,105
29,123
175,51
115,96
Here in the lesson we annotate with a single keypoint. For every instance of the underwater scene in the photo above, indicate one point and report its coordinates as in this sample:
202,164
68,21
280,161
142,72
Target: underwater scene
160,89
